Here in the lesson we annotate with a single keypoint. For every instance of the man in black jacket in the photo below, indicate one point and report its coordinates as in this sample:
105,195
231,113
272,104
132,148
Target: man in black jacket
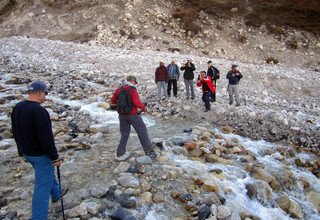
32,131
234,77
214,73
188,76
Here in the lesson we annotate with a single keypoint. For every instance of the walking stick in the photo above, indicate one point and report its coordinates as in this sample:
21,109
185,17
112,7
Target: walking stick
61,196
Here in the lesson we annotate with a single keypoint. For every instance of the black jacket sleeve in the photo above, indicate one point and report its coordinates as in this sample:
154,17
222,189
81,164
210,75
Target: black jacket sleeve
14,127
44,132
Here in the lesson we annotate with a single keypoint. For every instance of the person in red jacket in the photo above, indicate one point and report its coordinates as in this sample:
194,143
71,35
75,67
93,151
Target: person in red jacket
161,79
207,89
132,118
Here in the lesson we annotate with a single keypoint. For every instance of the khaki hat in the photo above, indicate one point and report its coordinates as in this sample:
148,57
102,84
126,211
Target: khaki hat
132,78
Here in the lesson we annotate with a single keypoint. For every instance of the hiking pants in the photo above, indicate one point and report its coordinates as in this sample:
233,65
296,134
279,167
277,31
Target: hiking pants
234,91
206,99
172,82
213,95
162,85
45,184
139,126
189,86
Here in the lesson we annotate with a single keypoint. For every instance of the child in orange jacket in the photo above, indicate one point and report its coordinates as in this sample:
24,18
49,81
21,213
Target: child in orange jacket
207,89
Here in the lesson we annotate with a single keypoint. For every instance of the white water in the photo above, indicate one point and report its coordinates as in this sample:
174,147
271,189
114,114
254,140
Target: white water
236,179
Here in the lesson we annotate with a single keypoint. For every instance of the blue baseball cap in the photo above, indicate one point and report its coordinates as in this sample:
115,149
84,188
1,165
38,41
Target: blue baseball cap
38,86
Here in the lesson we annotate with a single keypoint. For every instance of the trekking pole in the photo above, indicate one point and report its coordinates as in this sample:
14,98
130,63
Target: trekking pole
61,196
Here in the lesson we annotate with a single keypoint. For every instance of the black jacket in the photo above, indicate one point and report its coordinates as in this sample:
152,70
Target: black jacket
188,71
234,80
214,73
32,131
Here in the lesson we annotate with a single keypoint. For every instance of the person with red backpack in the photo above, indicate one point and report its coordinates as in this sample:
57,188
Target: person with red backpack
207,89
128,102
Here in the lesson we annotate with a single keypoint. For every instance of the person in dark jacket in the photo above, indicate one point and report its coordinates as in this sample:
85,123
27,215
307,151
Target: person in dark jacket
234,77
174,75
188,76
214,73
32,131
161,79
134,119
207,89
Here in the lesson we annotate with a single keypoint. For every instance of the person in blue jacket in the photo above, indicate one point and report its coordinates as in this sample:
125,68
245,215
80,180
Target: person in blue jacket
32,131
174,75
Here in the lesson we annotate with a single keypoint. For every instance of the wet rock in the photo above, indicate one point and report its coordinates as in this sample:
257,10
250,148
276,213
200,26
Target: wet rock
223,212
118,213
210,199
146,160
314,199
213,158
290,206
262,174
128,180
204,213
259,190
3,202
122,167
196,152
190,145
227,129
211,185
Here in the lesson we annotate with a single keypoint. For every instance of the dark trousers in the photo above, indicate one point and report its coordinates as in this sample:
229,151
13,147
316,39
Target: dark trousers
213,95
175,87
139,126
206,99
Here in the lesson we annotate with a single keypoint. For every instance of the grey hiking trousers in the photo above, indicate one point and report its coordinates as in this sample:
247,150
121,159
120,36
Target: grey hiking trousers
139,126
234,91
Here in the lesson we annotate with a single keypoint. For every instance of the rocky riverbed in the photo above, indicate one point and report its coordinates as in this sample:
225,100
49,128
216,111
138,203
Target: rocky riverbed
208,171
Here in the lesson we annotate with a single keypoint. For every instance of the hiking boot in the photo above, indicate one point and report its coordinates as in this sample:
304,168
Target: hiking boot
122,157
237,104
64,191
152,154
208,109
230,103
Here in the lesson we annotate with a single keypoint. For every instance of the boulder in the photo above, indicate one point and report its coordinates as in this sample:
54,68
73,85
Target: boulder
128,181
211,185
98,190
144,160
93,207
79,210
227,129
145,198
204,213
122,167
213,158
290,206
190,145
314,199
196,152
223,212
120,213
259,190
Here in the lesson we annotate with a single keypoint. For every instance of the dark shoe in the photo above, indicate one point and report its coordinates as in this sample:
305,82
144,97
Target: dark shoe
230,103
64,192
151,154
237,104
208,109
193,98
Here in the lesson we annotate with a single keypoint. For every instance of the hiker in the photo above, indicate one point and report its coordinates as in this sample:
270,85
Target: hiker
32,131
161,79
214,73
188,76
234,77
174,75
207,89
128,102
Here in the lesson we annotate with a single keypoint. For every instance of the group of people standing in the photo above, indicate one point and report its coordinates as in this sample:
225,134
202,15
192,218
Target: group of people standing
167,78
